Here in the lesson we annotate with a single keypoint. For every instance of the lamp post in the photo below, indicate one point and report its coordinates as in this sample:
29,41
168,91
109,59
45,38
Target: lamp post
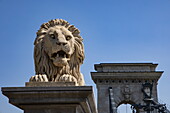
150,103
147,91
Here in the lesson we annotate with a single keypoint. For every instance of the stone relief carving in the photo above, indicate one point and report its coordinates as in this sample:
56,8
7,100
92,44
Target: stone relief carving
127,92
58,53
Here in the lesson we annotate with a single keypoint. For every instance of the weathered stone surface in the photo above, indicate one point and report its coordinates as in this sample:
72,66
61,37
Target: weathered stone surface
126,81
58,53
69,99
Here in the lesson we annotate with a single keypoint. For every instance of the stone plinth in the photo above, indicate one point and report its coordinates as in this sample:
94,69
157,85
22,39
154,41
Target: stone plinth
121,83
63,99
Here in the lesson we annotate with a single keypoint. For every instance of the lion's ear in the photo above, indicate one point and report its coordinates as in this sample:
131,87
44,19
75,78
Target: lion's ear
40,33
39,39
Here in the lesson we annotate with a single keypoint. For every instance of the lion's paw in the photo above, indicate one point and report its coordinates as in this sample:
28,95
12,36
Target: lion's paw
68,78
39,78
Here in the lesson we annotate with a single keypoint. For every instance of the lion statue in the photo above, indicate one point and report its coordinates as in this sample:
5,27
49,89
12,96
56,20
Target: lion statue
58,53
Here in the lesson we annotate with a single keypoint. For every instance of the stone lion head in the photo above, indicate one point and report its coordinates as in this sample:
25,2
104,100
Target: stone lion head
58,53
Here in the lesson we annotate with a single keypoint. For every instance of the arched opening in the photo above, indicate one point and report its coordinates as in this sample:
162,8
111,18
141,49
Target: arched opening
125,107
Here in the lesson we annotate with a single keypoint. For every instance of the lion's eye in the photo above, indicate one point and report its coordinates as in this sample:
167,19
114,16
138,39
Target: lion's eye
68,37
52,36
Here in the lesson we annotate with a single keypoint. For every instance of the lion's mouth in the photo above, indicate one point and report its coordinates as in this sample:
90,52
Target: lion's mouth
60,54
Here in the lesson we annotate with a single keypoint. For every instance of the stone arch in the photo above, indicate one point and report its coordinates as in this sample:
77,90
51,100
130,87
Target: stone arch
128,102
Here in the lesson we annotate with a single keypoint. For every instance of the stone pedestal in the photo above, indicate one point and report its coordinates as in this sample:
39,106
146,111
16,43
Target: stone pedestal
121,83
63,99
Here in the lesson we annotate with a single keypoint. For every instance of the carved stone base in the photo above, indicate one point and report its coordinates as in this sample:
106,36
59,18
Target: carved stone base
65,99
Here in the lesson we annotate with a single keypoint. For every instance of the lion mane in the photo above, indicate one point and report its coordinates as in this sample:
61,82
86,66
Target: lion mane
44,65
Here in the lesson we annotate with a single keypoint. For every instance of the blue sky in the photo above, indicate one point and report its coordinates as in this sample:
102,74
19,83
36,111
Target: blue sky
113,31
